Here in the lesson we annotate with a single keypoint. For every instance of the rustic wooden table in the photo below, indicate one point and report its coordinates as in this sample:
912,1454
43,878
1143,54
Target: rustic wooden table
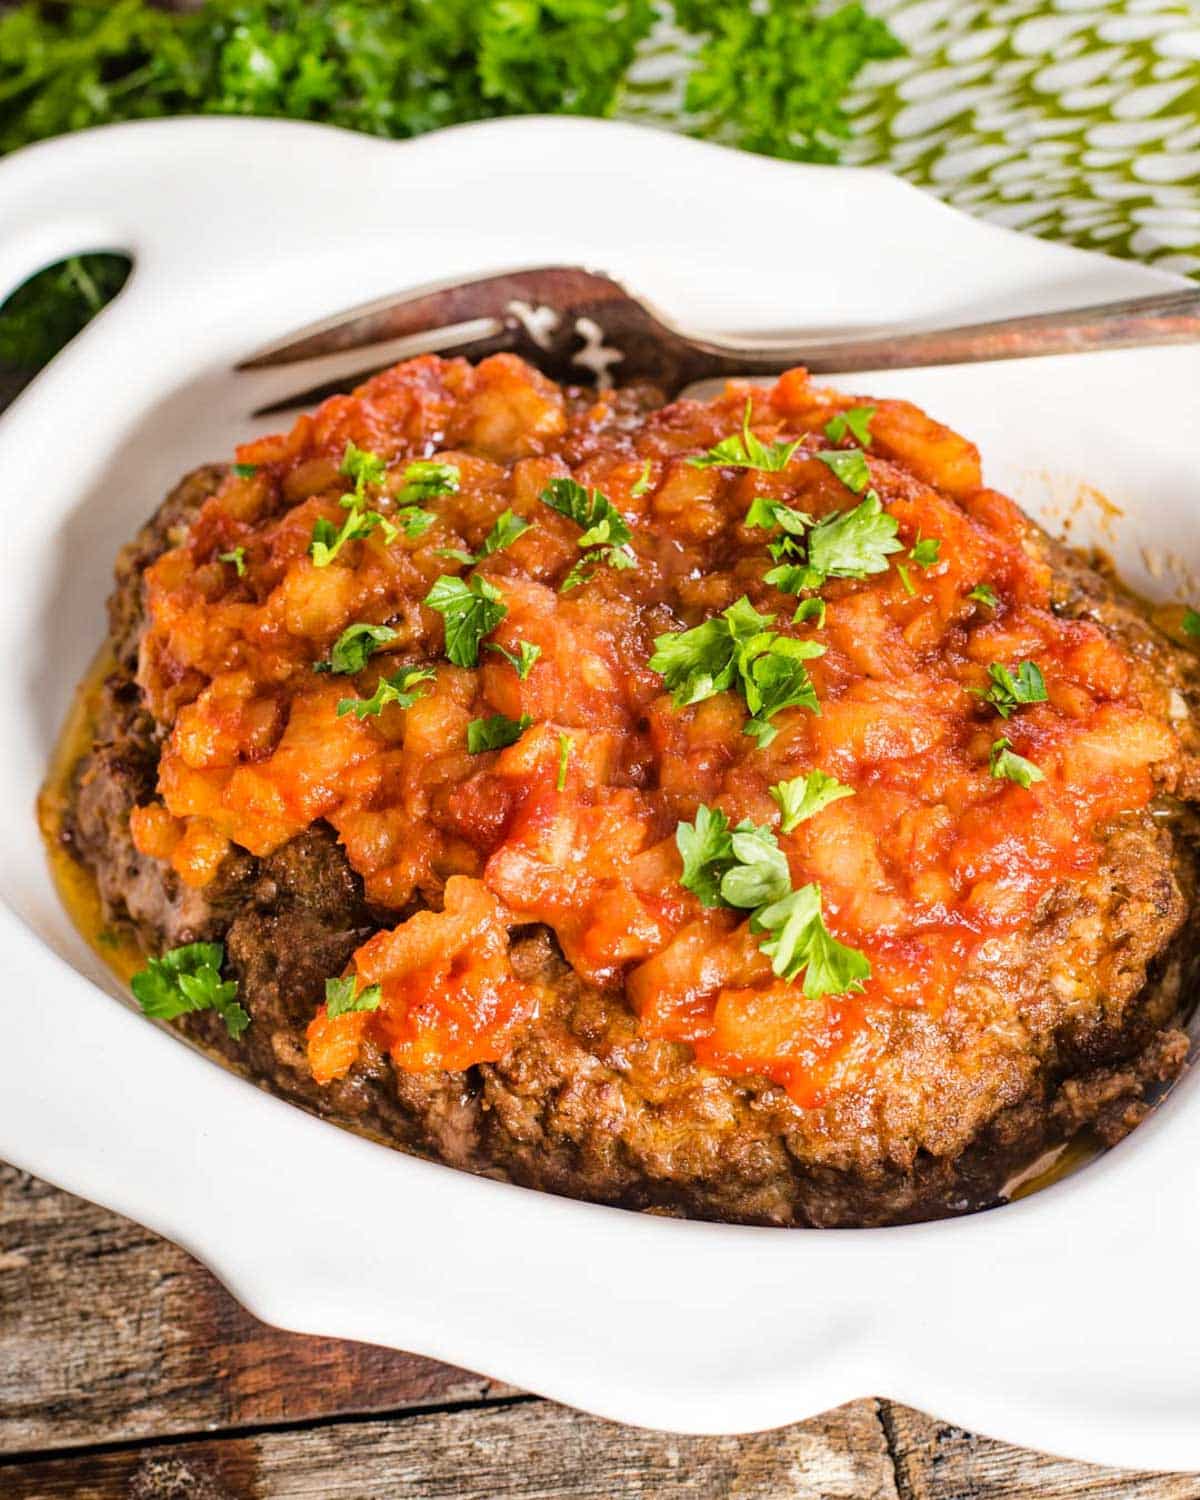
127,1371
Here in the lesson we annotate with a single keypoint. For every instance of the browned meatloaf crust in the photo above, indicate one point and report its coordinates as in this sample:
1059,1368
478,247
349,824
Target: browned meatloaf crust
583,1105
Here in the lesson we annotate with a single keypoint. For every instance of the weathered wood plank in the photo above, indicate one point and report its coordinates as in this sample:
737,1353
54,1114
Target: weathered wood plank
530,1449
937,1462
108,1333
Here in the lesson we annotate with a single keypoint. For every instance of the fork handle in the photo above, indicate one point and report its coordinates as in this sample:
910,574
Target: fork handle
1167,318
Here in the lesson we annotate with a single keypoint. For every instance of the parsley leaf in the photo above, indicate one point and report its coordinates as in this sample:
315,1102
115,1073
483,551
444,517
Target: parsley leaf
735,648
495,732
606,534
744,867
352,648
592,510
805,796
643,484
327,541
799,940
426,479
342,996
810,609
846,544
925,550
767,513
746,451
856,420
777,679
760,873
706,849
188,979
237,557
1190,625
1005,764
245,471
398,689
471,610
413,521
366,469
1009,692
850,466
984,593
507,529
565,745
522,662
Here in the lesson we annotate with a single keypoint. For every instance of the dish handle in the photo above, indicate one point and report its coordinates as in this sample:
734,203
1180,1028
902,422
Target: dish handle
51,208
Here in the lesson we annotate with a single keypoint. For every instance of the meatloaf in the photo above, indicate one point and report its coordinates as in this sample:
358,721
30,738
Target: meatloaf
731,809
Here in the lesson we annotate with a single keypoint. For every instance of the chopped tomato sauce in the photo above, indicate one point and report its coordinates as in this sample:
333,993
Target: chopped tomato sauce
930,857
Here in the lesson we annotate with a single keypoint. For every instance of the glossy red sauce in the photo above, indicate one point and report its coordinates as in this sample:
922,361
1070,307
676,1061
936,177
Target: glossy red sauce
929,857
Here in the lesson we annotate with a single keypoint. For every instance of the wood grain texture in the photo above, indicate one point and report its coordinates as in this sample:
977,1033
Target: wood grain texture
108,1333
934,1461
528,1448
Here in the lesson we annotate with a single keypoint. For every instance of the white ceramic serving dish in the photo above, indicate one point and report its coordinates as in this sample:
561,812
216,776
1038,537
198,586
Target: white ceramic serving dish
1063,1321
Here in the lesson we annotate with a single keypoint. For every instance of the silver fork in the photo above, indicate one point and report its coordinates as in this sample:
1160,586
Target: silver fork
582,327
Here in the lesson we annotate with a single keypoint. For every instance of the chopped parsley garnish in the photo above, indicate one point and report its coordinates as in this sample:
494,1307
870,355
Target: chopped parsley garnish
1006,765
606,534
237,557
1190,624
643,483
1009,691
471,610
522,662
767,513
856,420
495,732
846,544
906,579
245,471
328,540
924,551
508,527
189,979
984,593
425,479
748,857
365,469
342,996
735,649
745,451
565,745
413,521
744,867
352,648
850,466
798,940
805,796
810,609
398,689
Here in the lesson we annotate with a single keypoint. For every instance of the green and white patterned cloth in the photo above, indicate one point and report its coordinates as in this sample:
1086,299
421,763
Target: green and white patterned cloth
1074,119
